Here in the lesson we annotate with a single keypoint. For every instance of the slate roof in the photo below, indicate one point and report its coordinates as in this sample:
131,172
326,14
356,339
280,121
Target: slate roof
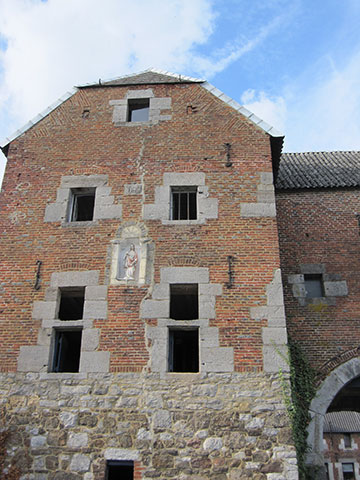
319,170
342,422
150,76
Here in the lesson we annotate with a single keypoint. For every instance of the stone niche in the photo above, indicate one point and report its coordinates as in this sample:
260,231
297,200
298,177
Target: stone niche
130,257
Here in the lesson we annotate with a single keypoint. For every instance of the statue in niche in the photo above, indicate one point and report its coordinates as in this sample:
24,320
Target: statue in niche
130,262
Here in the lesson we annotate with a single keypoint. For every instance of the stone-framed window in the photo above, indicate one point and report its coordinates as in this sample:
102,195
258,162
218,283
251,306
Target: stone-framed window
66,350
71,303
81,200
41,357
314,281
183,203
140,107
212,357
348,471
183,350
163,208
138,110
81,204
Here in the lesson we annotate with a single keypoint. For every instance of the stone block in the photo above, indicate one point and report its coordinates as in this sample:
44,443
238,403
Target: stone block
80,463
209,337
161,103
207,306
185,179
155,309
51,294
161,291
335,289
107,212
83,181
257,210
103,201
95,309
184,275
210,289
299,290
44,310
98,292
155,212
208,207
146,93
77,440
162,419
212,443
94,361
74,279
295,279
219,359
273,335
121,102
55,212
90,339
33,359
265,197
44,337
119,113
266,178
275,358
121,454
133,189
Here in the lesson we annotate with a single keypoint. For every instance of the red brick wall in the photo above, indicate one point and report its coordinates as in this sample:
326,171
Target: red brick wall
321,227
64,143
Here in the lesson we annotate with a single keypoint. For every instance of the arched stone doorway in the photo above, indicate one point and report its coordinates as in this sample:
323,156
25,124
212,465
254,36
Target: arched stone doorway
320,404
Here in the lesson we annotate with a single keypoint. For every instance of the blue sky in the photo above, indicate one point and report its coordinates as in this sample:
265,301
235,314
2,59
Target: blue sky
295,63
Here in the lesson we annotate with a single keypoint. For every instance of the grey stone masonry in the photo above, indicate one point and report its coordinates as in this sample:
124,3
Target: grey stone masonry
156,108
265,205
333,285
185,427
207,207
104,207
274,336
213,357
38,358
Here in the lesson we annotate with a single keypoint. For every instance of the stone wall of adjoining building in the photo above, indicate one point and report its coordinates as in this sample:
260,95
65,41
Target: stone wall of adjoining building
188,426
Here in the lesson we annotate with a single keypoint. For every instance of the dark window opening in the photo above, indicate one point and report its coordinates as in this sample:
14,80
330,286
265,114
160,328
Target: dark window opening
83,202
347,440
183,350
348,471
314,285
118,470
184,301
71,303
138,110
67,350
183,203
327,471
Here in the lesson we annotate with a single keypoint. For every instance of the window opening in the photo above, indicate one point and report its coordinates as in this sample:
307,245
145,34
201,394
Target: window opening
314,285
138,110
71,303
347,440
183,203
184,301
116,470
348,471
183,350
83,202
327,471
67,350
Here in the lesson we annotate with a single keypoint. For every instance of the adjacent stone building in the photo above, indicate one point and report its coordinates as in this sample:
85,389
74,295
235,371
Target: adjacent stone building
142,313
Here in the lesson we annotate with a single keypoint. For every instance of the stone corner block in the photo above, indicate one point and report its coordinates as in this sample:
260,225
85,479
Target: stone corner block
336,289
95,309
90,339
33,359
274,336
44,310
94,362
275,358
258,210
155,309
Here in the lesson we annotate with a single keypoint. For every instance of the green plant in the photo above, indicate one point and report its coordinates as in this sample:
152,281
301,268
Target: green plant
297,397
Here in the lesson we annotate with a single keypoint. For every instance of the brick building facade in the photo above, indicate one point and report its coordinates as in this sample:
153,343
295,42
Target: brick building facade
143,322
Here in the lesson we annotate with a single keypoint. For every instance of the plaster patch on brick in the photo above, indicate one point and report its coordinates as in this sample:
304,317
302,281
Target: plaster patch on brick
104,207
207,207
265,205
212,357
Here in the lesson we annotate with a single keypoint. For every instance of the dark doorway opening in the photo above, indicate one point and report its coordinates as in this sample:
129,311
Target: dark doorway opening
184,350
67,350
118,470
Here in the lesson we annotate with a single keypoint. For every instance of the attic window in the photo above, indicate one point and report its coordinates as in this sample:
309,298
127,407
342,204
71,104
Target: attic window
138,110
82,204
119,469
184,301
183,203
71,305
183,350
67,351
314,285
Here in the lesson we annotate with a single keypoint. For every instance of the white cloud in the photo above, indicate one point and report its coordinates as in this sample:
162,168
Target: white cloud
270,109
